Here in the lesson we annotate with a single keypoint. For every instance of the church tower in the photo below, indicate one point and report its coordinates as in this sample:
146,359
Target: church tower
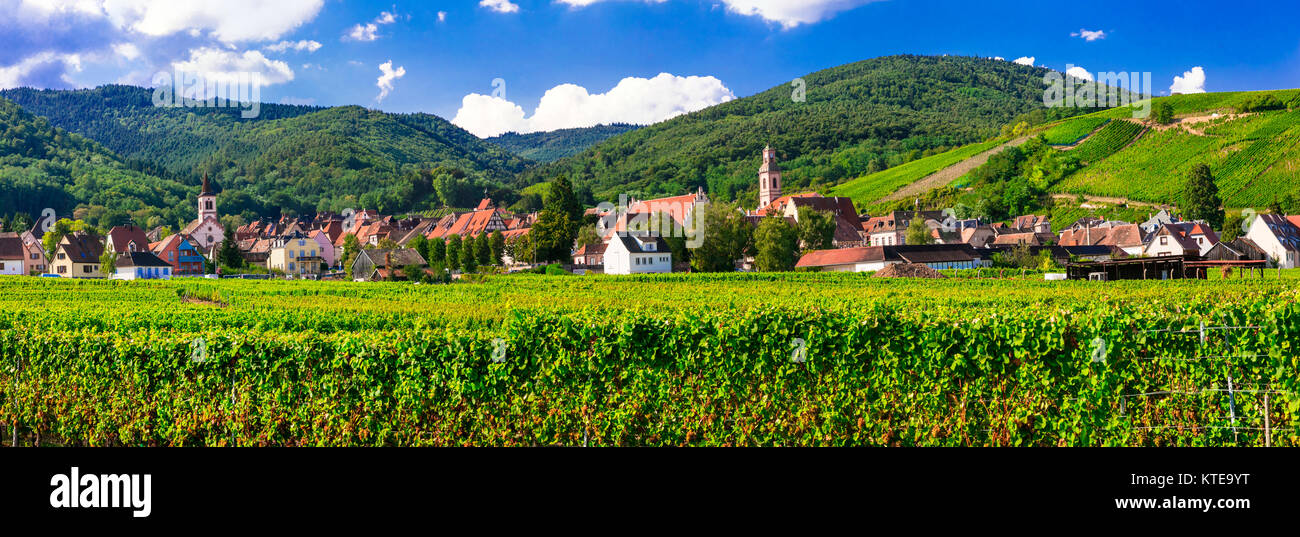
769,179
207,201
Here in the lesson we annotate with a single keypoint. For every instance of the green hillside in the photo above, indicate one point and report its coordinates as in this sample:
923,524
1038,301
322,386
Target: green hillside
555,145
292,158
857,118
42,166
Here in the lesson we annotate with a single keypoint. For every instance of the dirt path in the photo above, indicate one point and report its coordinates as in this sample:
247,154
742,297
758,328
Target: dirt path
949,174
1109,200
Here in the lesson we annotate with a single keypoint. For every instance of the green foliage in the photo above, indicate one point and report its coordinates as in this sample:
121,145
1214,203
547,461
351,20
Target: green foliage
918,232
726,237
1232,224
557,226
1162,112
555,145
229,254
776,245
437,252
422,246
1260,102
816,229
1111,138
351,249
1201,198
1073,130
871,187
454,255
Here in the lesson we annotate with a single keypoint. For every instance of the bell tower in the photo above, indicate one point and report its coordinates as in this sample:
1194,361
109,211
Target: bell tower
207,201
769,179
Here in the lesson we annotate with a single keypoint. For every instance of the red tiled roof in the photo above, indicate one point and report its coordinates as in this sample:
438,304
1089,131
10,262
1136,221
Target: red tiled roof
841,256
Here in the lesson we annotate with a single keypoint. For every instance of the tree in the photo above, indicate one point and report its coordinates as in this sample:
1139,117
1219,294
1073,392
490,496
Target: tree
351,248
50,241
816,229
588,235
437,251
453,252
483,250
387,244
777,245
498,245
917,231
557,225
413,273
1232,225
726,238
468,258
421,246
1201,197
229,254
1163,112
107,263
520,248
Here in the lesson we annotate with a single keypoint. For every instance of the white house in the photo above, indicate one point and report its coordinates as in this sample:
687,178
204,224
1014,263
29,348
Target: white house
13,254
1278,237
1181,238
141,266
637,253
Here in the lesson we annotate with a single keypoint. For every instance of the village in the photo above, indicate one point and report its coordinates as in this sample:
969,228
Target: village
367,246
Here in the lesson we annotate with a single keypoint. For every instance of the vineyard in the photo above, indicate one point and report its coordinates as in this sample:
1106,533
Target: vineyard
729,359
1073,130
1111,138
872,187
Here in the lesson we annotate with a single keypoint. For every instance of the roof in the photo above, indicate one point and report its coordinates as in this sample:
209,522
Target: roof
1028,221
841,256
633,245
82,247
922,253
207,187
1125,235
12,247
1282,228
140,260
121,236
399,257
591,249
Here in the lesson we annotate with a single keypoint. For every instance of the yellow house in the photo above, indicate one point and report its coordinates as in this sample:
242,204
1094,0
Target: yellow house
295,254
77,256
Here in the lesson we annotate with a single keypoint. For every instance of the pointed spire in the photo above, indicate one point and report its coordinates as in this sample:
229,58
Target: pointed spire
207,187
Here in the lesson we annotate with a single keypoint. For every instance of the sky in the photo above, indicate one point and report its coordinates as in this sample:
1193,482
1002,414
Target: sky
493,66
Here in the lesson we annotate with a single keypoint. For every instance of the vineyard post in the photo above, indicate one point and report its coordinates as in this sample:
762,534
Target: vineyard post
1232,409
17,368
1268,426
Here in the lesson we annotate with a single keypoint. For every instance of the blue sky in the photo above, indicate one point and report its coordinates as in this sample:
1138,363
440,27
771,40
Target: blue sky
676,55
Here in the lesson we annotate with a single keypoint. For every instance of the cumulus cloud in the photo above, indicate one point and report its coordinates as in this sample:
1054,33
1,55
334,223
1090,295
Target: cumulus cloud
225,67
1089,35
369,31
787,13
229,21
388,75
1079,73
127,50
442,16
1191,82
640,101
1024,60
500,6
44,70
299,46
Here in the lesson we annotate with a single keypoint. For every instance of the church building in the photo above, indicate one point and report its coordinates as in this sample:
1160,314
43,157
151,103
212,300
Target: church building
206,230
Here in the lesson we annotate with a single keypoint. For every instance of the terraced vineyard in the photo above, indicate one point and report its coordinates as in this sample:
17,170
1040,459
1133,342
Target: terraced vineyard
870,188
1111,138
728,359
1073,130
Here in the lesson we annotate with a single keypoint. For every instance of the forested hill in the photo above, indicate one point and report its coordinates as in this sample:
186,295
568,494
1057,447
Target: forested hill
554,145
856,118
295,159
42,166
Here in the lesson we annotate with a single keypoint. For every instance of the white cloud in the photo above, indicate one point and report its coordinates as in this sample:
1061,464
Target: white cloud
369,31
224,66
228,21
127,50
1089,35
999,58
787,13
42,70
386,78
442,16
1191,82
1024,60
299,46
641,101
500,6
1079,73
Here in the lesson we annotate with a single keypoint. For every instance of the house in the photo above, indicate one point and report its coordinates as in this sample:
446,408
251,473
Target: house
1181,238
1033,223
1239,249
637,253
979,236
590,255
1278,237
206,230
848,226
255,251
1155,222
128,238
295,254
77,256
891,229
1012,239
873,258
325,246
13,255
485,218
36,261
1126,237
180,253
141,265
379,264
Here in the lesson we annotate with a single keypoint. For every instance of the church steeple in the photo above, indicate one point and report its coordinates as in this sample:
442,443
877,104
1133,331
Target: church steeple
207,200
769,178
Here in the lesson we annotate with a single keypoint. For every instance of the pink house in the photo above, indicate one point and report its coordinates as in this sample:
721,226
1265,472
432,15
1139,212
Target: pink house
327,251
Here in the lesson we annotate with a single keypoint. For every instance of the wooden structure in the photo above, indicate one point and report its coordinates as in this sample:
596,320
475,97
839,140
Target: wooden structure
1172,267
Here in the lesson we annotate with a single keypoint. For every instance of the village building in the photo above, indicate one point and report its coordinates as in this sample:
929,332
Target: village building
1278,236
128,238
378,264
181,254
1239,249
141,265
36,262
874,258
13,255
590,255
77,256
325,246
1033,223
637,253
891,229
295,254
206,230
1126,237
769,178
1182,238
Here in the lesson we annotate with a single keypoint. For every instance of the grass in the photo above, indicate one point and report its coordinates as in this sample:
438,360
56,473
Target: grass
869,188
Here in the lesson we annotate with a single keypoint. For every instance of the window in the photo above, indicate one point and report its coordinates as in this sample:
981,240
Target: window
1164,241
88,269
62,255
2,265
36,256
302,243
